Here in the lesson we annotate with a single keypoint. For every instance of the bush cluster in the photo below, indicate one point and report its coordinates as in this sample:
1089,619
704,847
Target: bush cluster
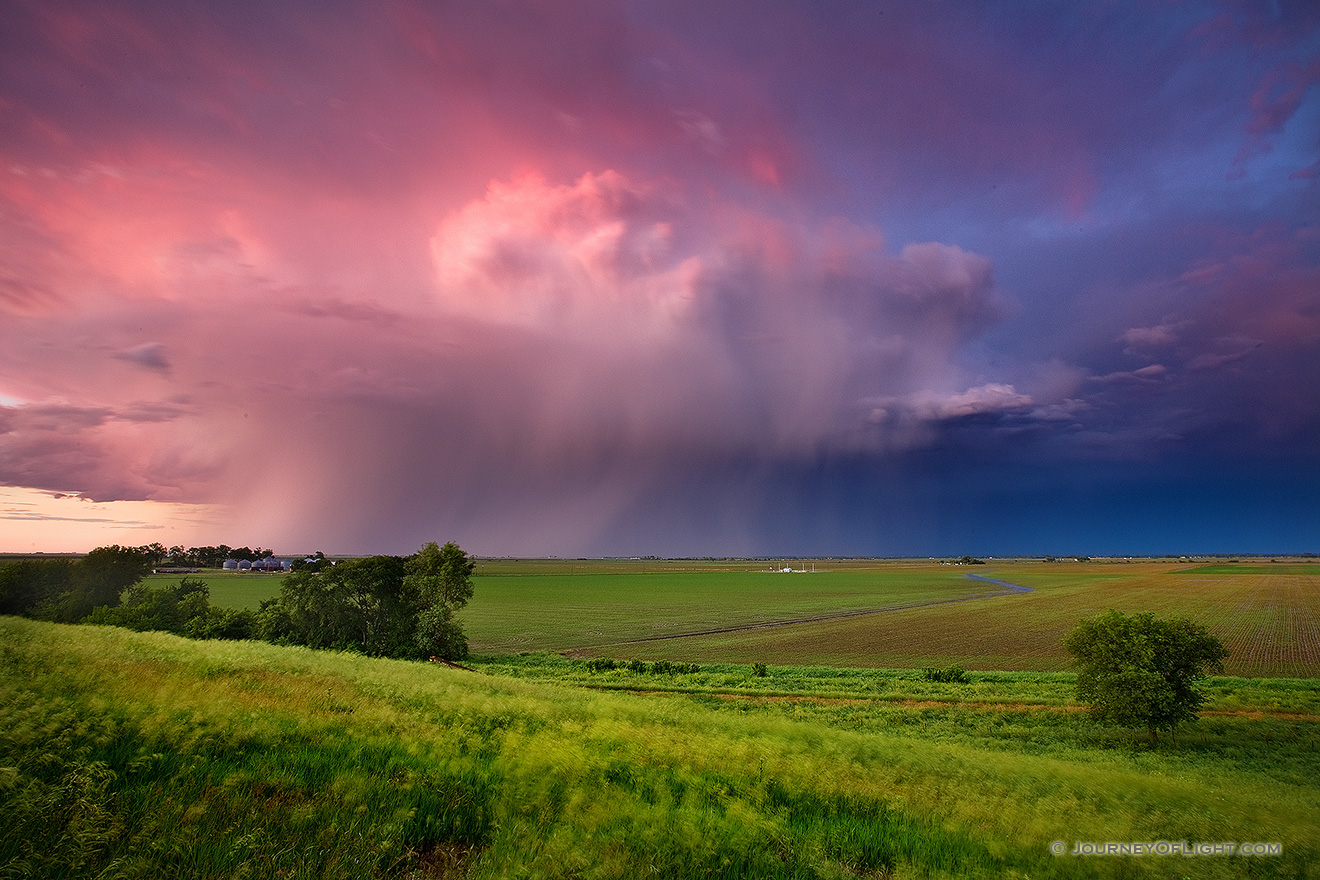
641,667
184,609
947,675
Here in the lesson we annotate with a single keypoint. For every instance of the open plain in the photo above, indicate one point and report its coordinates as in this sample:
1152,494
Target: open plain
684,718
921,613
867,613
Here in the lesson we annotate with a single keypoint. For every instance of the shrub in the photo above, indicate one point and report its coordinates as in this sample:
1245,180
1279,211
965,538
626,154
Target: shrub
669,667
223,623
947,675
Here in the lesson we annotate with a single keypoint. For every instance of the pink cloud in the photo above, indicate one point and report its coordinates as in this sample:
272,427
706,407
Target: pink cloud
98,451
1144,338
1259,26
806,318
981,400
588,336
1263,285
564,256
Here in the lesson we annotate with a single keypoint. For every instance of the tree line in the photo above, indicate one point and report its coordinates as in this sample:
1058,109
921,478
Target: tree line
179,556
383,606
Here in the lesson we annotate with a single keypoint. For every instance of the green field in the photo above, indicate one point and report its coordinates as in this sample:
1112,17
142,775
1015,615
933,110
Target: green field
1268,615
1269,621
146,755
229,589
535,612
1255,568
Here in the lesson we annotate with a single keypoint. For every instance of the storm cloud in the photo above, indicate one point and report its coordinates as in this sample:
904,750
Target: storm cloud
668,278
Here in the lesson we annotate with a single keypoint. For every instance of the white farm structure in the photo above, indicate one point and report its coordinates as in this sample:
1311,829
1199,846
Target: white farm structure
789,569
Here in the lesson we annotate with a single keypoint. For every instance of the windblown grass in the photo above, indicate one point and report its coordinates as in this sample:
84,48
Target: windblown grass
141,754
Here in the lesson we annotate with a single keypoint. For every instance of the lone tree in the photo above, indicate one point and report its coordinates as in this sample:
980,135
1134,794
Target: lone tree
440,581
1142,670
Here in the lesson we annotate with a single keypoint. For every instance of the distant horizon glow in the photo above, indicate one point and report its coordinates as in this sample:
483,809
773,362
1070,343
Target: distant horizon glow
34,521
671,279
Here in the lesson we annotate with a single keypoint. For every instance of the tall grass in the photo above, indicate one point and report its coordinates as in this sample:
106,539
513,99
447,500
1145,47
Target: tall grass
140,754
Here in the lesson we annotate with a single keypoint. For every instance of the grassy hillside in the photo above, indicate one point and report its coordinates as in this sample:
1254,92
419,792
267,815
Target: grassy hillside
139,755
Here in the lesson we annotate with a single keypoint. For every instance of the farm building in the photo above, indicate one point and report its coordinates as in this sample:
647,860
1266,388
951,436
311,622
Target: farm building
270,563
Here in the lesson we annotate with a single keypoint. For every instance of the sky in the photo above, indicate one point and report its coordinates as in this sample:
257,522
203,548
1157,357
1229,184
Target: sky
661,278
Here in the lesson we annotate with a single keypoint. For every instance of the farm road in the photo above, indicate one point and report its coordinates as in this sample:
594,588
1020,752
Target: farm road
1008,590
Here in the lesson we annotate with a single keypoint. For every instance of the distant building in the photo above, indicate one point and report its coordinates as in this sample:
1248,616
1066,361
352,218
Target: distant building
230,565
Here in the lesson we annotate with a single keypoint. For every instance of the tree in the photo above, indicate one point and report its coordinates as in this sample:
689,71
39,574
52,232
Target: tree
439,635
355,605
1141,670
439,581
442,574
182,608
34,587
155,552
382,605
102,576
315,562
66,590
167,608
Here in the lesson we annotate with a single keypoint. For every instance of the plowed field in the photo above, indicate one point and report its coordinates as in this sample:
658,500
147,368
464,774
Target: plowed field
1268,617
